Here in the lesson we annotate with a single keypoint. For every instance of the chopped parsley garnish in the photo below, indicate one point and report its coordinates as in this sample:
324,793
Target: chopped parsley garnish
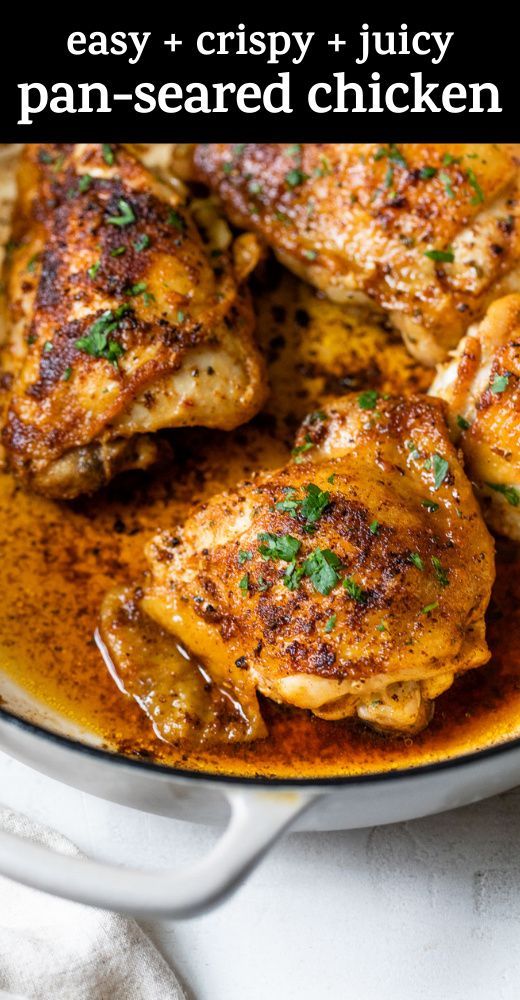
31,264
448,159
142,242
66,374
511,494
430,505
440,572
84,183
292,576
382,627
262,584
295,177
48,346
244,582
44,156
478,197
415,558
462,422
299,452
446,180
354,590
331,478
244,556
499,384
118,252
310,254
181,316
176,220
321,568
93,270
440,470
96,341
137,289
374,527
108,154
430,607
441,256
314,504
278,546
127,216
426,172
390,152
368,400
294,150
331,623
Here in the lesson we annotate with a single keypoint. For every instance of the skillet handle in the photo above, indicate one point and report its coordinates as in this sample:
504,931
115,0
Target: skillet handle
257,819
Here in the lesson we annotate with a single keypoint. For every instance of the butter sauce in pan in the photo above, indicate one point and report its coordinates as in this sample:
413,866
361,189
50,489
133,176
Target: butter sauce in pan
58,560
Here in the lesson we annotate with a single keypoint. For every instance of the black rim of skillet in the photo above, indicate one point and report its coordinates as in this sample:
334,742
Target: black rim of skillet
183,773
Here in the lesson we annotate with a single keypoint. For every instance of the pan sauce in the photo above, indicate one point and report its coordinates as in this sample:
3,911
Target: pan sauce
58,560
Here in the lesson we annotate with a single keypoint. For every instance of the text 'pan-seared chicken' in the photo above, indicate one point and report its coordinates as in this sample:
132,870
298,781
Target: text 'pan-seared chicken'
430,232
122,319
482,388
354,580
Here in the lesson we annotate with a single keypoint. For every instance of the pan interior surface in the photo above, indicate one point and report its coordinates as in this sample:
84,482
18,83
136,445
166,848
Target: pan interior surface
59,560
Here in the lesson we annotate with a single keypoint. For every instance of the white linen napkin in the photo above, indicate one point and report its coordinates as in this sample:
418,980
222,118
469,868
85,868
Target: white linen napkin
52,949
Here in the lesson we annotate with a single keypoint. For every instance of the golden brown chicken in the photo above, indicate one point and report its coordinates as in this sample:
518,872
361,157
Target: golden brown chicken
123,319
429,232
354,580
482,388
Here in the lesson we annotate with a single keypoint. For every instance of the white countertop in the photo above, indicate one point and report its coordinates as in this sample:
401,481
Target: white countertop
426,910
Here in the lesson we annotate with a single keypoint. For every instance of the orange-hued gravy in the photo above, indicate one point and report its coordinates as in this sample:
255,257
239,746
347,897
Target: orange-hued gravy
57,560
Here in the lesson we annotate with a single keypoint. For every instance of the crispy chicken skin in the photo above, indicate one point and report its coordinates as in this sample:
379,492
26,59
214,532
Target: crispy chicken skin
354,580
482,388
122,320
360,219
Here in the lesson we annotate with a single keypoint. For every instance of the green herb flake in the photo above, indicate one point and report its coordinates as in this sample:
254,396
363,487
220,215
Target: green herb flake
244,556
382,627
446,180
176,220
321,568
244,582
478,197
314,504
84,183
440,256
300,451
331,478
331,623
374,527
354,590
440,470
440,572
429,607
127,216
415,558
276,547
426,172
108,154
368,400
66,374
48,346
511,494
137,289
118,252
430,505
292,576
295,177
96,342
462,422
142,242
93,269
499,384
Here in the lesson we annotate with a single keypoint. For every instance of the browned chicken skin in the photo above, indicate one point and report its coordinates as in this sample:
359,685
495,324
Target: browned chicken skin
481,386
429,232
122,320
354,580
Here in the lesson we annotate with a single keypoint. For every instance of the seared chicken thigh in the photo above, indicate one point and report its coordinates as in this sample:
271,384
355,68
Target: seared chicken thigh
123,319
354,580
430,232
482,388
